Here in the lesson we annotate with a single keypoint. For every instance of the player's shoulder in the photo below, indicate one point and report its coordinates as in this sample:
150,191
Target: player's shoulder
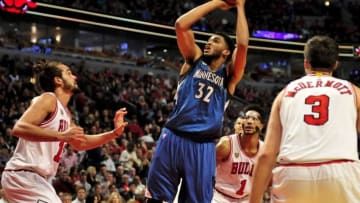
44,98
224,140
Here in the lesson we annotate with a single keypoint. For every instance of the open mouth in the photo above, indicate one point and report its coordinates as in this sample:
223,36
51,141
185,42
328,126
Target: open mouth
248,128
207,49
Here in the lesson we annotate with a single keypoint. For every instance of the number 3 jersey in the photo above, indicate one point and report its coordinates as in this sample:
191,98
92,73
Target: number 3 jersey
234,175
200,103
42,157
318,115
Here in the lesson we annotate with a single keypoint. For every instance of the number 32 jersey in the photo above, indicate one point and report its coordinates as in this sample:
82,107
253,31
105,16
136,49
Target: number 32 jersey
200,103
320,115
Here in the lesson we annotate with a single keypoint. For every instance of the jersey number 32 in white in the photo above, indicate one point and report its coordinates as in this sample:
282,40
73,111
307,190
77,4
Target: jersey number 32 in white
204,92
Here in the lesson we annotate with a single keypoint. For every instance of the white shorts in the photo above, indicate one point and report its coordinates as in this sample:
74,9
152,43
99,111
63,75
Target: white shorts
27,187
325,183
220,198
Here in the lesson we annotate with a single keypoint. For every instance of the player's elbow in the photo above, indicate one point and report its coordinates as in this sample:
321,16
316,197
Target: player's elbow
18,130
180,25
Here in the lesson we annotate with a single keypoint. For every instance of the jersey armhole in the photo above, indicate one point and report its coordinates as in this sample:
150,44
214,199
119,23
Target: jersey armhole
231,149
50,116
355,96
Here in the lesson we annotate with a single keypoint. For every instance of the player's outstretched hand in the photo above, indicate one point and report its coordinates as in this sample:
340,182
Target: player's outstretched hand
73,134
119,122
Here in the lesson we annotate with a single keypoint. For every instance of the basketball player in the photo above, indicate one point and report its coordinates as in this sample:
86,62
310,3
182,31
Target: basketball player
44,130
235,157
186,147
312,134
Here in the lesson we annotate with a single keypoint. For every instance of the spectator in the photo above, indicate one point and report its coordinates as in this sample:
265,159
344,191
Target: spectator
115,197
91,175
107,160
63,183
128,157
83,183
80,195
139,188
69,159
65,197
96,194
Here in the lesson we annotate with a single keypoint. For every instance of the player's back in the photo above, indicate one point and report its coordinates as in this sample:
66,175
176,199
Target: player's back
318,116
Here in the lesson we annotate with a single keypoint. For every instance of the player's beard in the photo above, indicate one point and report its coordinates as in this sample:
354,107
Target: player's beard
72,87
257,131
210,57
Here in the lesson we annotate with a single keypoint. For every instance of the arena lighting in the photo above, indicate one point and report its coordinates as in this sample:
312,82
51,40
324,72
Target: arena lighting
146,32
159,34
276,35
99,24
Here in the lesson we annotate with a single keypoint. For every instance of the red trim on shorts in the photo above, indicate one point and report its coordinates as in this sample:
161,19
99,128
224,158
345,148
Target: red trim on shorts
226,195
317,163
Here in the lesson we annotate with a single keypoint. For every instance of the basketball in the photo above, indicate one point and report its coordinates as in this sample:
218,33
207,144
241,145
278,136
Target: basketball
231,2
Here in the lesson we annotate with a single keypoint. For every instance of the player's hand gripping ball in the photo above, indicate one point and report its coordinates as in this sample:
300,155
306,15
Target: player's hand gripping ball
231,2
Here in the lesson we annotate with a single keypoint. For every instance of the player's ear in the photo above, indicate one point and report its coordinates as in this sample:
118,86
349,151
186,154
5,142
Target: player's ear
58,81
307,65
336,65
226,52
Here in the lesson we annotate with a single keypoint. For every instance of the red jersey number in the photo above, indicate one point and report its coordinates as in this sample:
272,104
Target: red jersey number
57,157
320,110
242,187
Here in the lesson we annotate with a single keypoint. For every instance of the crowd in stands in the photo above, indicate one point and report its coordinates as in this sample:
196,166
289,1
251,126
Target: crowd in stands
304,17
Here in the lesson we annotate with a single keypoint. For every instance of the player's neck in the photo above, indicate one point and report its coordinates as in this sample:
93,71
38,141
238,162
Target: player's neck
320,73
63,97
215,64
249,143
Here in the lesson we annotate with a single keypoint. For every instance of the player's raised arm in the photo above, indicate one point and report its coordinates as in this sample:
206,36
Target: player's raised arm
237,65
185,36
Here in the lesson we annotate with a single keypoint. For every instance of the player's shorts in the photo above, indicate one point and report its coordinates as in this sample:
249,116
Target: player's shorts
27,187
176,157
331,182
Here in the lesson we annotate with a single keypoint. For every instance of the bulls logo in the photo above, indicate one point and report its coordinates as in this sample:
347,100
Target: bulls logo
16,6
237,154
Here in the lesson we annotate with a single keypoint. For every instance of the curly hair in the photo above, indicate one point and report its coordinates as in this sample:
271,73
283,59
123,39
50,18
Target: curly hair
44,73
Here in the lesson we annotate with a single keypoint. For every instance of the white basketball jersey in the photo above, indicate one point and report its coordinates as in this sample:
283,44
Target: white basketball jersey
42,157
318,116
234,175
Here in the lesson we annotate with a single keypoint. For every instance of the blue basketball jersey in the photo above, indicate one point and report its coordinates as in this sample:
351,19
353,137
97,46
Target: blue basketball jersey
200,101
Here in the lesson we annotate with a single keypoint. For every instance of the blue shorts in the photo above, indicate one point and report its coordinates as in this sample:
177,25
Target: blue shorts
176,157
